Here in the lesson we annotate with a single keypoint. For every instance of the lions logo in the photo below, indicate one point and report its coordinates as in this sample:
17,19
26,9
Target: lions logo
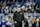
20,13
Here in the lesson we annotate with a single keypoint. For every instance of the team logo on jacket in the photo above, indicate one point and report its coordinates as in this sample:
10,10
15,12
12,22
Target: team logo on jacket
20,13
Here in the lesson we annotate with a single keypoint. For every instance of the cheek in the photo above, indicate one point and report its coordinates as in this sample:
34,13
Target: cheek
18,8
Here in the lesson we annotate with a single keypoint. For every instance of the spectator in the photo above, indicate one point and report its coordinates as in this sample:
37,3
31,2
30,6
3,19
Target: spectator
29,10
1,3
10,10
26,21
4,4
23,9
6,10
37,21
26,3
0,22
13,2
12,25
2,10
14,9
16,3
9,22
6,18
31,3
8,3
33,22
30,22
0,6
3,22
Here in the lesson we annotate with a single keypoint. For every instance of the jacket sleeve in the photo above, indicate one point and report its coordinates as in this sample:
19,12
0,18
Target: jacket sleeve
14,17
23,17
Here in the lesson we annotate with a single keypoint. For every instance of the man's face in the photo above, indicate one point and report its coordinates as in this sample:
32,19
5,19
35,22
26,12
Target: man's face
6,7
23,8
2,7
25,17
5,16
10,8
2,18
8,19
18,8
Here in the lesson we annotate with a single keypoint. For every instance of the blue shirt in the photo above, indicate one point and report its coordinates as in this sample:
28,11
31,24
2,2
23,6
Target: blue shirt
26,3
27,18
31,3
3,21
6,10
8,23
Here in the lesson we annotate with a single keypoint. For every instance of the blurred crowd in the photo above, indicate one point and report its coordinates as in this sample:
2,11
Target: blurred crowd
32,21
6,21
29,21
29,6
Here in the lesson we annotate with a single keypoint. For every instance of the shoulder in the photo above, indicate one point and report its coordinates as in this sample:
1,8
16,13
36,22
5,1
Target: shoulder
22,11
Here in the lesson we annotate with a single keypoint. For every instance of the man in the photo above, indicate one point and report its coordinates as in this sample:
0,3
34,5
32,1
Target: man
8,22
0,22
10,10
23,9
37,21
26,21
3,22
26,3
29,10
18,17
2,10
33,22
6,10
8,3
